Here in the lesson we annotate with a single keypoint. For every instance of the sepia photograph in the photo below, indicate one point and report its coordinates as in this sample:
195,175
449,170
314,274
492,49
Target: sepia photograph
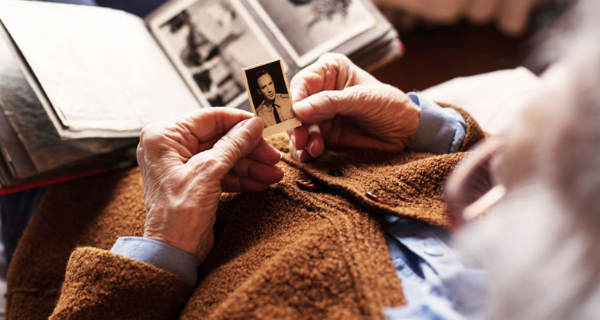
309,28
270,96
209,41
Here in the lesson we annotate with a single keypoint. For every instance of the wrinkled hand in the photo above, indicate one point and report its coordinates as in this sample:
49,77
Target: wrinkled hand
187,163
341,104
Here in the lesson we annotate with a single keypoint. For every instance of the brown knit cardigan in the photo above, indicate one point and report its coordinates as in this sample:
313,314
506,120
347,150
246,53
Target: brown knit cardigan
285,253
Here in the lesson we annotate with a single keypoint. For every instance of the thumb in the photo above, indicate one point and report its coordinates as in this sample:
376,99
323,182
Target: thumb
352,101
237,143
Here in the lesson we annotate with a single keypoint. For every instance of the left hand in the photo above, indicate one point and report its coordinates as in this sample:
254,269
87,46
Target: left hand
187,163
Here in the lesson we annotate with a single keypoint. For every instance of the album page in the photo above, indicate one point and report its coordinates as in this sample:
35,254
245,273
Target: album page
99,71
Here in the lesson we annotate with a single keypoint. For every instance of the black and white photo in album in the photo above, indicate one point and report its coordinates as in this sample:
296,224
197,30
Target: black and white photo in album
209,41
270,96
324,24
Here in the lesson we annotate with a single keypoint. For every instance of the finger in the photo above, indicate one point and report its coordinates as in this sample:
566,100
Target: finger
210,123
359,102
265,153
266,174
180,139
315,145
329,72
237,143
300,154
306,142
299,136
231,183
326,105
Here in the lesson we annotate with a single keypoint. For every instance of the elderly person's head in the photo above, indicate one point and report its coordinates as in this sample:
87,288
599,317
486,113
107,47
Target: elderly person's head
539,242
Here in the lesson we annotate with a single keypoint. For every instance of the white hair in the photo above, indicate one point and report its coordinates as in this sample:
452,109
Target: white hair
539,244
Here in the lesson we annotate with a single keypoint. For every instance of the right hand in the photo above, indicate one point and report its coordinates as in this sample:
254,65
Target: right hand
341,104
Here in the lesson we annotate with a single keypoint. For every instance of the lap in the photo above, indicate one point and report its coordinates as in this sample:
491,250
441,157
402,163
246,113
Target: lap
93,212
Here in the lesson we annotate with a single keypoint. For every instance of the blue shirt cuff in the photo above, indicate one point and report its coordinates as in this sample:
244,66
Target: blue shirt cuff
441,130
160,255
418,310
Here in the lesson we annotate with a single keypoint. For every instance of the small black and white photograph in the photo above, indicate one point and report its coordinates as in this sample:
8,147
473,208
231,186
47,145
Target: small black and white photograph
270,97
309,28
209,41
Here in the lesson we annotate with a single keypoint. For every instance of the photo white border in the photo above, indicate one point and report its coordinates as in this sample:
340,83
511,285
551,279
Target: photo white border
316,52
276,128
173,8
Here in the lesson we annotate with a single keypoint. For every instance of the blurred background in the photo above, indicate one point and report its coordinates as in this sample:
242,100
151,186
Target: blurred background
453,38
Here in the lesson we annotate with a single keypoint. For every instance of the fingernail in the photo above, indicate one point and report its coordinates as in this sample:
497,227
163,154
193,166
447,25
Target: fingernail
298,153
310,148
293,139
302,109
280,171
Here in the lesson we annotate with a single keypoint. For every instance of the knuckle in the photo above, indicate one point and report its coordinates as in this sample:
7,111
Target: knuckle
333,101
312,78
233,147
328,101
150,134
244,135
237,144
336,59
362,94
334,56
140,153
210,164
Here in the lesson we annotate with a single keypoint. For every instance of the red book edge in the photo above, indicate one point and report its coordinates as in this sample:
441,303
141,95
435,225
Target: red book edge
9,190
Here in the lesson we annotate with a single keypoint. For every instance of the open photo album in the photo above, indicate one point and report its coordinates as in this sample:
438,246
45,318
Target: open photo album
78,83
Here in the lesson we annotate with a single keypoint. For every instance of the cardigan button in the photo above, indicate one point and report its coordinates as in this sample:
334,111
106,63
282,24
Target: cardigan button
304,182
379,199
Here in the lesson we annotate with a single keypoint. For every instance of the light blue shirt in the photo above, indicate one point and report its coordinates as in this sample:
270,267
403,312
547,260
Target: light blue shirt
435,282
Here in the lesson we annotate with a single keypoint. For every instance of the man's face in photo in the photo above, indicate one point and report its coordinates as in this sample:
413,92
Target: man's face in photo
266,87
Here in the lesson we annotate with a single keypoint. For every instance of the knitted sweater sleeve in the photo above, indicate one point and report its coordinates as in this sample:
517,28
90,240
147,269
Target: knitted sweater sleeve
100,284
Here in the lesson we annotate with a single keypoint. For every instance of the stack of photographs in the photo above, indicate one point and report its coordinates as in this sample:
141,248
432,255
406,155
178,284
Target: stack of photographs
209,41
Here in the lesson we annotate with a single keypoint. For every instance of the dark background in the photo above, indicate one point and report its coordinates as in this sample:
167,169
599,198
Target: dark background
274,69
437,53
434,54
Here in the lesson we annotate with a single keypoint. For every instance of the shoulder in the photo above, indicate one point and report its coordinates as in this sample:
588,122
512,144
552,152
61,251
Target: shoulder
282,99
260,107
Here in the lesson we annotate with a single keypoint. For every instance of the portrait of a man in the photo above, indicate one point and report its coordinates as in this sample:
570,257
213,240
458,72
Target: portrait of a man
270,96
275,107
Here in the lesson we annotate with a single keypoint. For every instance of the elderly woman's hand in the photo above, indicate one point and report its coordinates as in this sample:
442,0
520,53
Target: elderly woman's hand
187,163
341,104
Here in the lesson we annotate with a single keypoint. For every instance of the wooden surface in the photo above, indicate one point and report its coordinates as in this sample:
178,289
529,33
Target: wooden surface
436,54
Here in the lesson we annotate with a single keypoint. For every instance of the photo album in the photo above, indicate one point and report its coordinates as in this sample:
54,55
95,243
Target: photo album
78,83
